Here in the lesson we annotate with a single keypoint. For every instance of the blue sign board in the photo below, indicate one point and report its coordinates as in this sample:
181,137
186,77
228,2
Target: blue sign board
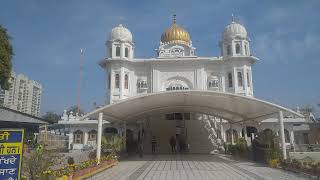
11,144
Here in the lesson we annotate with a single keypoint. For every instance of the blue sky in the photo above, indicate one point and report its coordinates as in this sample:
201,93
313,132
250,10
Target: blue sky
47,36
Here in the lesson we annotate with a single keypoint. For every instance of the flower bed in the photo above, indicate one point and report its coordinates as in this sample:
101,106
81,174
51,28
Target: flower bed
90,171
307,167
81,170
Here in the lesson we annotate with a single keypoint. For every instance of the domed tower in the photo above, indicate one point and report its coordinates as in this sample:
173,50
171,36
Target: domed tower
175,42
120,43
235,40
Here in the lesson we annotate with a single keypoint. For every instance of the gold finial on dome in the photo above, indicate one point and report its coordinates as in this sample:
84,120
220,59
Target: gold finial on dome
175,34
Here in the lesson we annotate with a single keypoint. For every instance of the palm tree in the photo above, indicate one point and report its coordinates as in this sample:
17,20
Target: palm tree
111,144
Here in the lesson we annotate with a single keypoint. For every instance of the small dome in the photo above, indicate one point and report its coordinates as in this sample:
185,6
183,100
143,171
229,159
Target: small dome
175,34
120,33
234,30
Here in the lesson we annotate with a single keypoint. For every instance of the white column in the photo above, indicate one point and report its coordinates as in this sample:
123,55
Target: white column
282,138
70,140
222,131
85,138
122,50
292,139
245,133
252,137
99,136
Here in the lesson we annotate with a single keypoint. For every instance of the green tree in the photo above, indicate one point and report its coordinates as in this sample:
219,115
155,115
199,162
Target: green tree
6,53
74,110
51,117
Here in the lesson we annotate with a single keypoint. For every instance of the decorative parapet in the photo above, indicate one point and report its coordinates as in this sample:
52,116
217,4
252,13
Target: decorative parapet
70,117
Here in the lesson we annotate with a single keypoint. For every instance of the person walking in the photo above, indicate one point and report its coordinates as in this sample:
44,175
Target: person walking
173,143
153,144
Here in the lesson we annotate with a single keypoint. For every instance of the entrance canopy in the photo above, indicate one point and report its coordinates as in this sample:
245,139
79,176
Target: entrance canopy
231,107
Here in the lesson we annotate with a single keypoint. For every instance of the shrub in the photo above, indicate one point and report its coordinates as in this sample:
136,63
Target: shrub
38,164
274,163
92,155
70,160
112,145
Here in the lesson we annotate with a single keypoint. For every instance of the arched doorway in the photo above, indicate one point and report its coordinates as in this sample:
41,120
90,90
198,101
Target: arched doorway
251,132
92,137
78,137
130,143
109,131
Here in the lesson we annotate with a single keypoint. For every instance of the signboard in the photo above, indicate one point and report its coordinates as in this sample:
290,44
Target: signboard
11,144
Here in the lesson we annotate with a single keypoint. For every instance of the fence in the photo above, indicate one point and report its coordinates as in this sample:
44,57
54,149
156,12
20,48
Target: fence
54,141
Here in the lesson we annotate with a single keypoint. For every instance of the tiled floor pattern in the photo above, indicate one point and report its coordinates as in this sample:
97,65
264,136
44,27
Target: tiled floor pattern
193,167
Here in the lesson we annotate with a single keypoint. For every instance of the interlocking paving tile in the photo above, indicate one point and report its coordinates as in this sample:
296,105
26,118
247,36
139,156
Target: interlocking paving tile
192,167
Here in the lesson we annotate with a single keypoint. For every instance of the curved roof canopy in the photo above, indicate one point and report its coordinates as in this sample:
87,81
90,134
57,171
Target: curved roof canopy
234,108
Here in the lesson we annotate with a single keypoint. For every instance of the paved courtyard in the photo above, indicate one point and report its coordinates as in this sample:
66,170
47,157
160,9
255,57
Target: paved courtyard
192,167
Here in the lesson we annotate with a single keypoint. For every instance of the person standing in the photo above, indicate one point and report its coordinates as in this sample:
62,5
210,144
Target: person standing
153,144
173,143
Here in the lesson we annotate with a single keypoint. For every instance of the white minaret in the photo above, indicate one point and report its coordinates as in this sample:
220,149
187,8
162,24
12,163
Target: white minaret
235,40
235,46
120,43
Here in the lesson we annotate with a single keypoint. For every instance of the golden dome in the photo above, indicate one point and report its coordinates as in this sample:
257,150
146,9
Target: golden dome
175,34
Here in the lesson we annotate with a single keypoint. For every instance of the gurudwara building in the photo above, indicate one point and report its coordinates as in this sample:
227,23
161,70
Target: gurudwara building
206,101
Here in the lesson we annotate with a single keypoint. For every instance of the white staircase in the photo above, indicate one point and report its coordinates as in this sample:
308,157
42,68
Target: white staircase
215,140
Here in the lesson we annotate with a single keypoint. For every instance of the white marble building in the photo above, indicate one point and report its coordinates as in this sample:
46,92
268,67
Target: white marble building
176,66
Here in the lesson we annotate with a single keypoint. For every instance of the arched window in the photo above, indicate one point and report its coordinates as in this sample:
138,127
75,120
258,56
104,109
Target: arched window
142,84
110,130
268,132
126,52
176,87
92,135
126,83
78,137
117,81
240,79
228,50
230,80
213,83
237,48
118,51
248,79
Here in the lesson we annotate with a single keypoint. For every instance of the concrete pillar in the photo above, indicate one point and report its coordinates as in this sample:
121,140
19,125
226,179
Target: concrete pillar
222,131
70,141
99,136
122,50
252,136
245,133
292,142
292,137
282,138
85,138
232,138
